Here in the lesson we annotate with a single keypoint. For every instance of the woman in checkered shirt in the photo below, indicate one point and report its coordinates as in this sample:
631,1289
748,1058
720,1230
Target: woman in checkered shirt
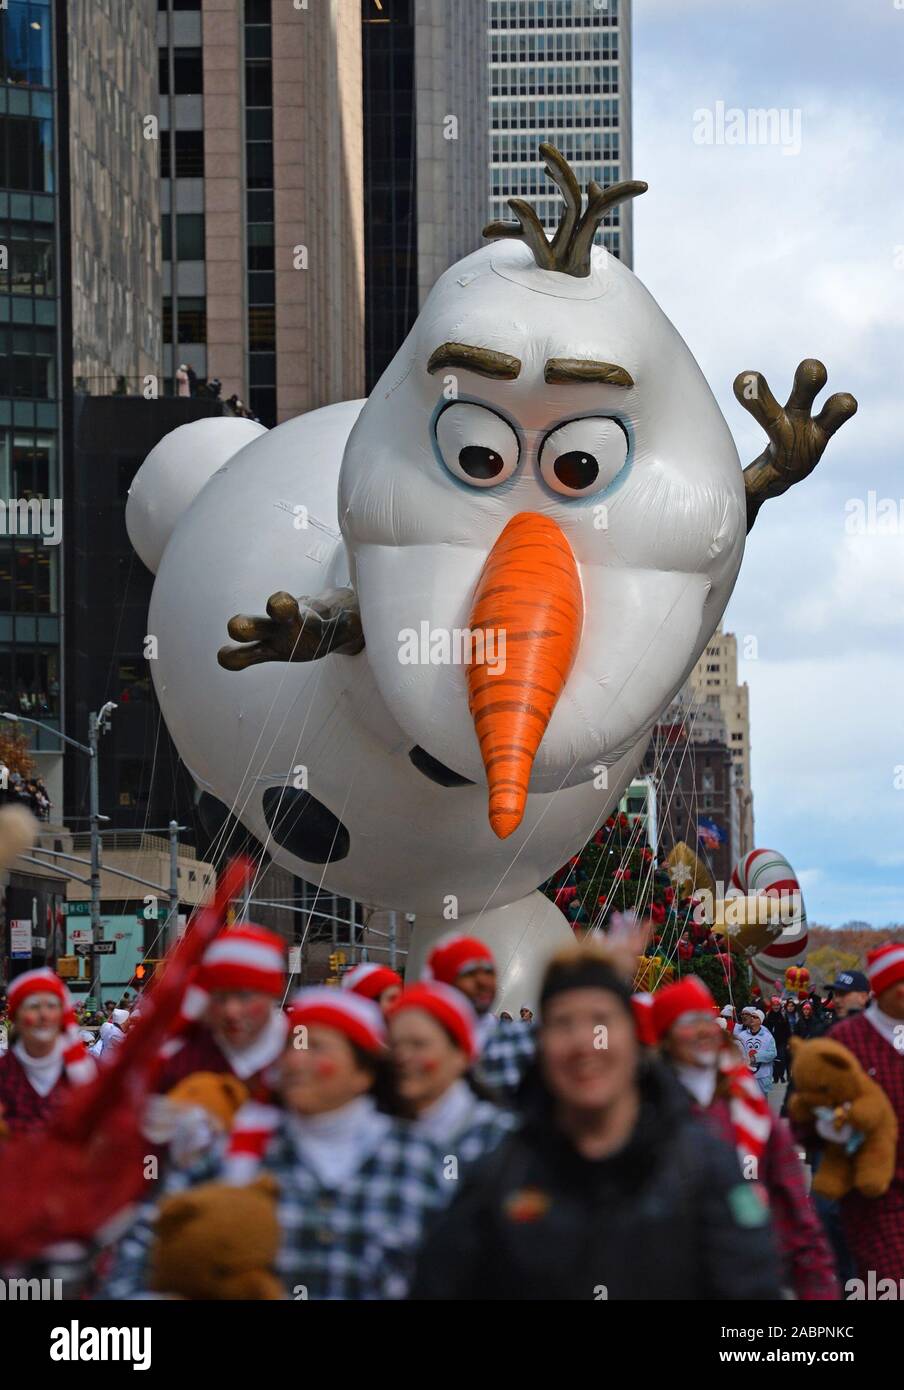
433,1032
356,1185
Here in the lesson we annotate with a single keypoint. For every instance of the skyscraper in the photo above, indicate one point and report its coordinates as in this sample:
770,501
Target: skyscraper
714,683
560,71
262,199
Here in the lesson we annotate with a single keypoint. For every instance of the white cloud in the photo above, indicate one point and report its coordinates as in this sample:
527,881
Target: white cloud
761,259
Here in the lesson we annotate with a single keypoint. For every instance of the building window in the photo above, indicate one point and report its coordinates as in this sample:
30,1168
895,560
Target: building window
29,677
192,319
188,72
25,36
26,153
189,154
189,236
30,269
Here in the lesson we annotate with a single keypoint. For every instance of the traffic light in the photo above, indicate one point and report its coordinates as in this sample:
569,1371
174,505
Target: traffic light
337,961
144,971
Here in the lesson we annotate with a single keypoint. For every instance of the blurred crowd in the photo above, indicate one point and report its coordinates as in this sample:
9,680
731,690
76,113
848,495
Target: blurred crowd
28,791
387,1139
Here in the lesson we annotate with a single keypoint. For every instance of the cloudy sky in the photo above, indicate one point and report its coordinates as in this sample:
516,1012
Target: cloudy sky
762,257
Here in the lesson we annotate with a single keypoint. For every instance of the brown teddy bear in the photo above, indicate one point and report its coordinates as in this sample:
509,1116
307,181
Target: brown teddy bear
219,1093
834,1095
218,1242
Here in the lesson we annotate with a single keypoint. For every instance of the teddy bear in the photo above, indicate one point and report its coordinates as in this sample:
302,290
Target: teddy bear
834,1096
218,1242
193,1117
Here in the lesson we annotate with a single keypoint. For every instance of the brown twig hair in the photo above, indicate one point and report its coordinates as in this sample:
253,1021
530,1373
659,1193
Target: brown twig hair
569,250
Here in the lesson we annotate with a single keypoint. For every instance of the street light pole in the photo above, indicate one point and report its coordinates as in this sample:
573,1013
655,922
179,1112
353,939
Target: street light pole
94,807
97,724
172,930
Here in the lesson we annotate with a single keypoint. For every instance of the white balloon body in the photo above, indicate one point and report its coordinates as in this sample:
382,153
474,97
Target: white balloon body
361,493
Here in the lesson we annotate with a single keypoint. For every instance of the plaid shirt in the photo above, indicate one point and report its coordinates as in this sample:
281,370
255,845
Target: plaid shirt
354,1241
506,1056
874,1226
485,1131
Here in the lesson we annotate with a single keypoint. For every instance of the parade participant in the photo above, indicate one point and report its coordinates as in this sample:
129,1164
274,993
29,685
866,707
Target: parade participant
46,1054
725,1095
356,1185
433,1041
231,1020
759,1045
780,1029
376,982
506,1049
874,1227
850,995
610,1189
112,1033
728,1013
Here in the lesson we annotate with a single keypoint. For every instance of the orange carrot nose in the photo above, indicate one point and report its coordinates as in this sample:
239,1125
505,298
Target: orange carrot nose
530,609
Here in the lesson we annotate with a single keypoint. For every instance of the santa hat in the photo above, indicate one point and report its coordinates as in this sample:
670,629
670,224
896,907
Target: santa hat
885,966
454,955
370,980
243,957
642,1008
689,996
359,1019
448,1006
80,1068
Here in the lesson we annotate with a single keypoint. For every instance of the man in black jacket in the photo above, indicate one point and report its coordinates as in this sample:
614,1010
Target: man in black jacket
610,1189
780,1029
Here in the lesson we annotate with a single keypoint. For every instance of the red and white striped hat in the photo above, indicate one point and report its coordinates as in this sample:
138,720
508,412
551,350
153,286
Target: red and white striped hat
80,1068
451,1009
358,1019
454,955
369,980
245,957
885,966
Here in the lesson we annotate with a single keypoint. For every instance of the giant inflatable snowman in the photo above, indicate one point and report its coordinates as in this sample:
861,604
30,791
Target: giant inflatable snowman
482,584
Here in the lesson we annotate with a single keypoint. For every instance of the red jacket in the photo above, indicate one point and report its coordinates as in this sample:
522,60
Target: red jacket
21,1107
805,1251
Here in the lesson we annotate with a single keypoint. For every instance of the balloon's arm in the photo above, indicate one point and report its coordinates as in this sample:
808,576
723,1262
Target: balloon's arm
797,439
295,630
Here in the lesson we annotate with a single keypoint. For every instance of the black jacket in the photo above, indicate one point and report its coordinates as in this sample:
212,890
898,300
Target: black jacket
779,1027
667,1217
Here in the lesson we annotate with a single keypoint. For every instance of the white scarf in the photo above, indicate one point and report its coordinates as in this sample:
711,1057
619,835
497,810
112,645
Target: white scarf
885,1026
445,1119
43,1072
486,1026
263,1050
700,1081
339,1142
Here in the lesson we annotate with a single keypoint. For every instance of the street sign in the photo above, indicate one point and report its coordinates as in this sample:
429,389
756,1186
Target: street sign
78,909
95,948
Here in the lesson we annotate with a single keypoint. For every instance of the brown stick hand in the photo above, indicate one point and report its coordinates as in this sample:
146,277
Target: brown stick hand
797,439
295,630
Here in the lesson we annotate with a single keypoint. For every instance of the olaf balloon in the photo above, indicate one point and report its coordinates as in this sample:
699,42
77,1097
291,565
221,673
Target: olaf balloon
509,558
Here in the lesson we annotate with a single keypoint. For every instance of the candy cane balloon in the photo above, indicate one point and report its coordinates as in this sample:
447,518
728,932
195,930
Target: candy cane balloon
765,871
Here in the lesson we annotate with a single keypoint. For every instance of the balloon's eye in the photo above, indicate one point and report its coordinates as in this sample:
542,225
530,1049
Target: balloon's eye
576,470
477,446
583,456
480,463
